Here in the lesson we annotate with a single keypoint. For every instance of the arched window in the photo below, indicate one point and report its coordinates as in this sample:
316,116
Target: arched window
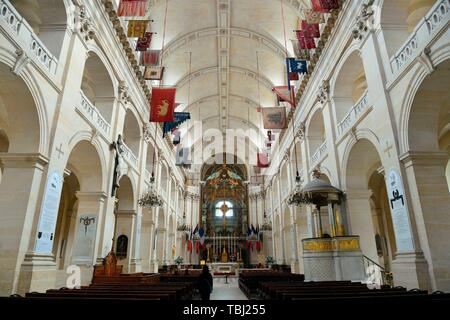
224,207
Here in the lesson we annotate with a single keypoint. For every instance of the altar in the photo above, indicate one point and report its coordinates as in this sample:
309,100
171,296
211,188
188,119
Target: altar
224,267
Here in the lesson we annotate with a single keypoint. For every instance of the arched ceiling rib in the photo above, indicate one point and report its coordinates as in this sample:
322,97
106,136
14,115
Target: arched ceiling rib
224,37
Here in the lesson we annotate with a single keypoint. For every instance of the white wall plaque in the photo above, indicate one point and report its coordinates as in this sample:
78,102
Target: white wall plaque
399,213
85,239
49,214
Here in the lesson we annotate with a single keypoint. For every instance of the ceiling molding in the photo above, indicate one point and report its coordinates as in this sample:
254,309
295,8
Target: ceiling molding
296,5
268,42
215,97
208,70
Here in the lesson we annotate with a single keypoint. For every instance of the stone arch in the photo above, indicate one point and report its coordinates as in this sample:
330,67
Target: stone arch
363,166
88,136
20,115
132,132
161,236
349,85
288,241
81,201
278,246
398,18
315,132
49,20
98,84
426,160
151,160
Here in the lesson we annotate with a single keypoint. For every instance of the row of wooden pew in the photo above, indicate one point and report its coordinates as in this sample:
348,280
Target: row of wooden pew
249,281
340,290
124,287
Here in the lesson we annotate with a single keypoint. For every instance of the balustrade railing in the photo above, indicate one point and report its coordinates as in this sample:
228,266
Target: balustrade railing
353,115
129,155
319,154
436,18
92,114
22,33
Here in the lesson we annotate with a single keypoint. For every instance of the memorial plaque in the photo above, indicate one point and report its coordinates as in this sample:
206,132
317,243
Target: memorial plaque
86,231
49,214
399,212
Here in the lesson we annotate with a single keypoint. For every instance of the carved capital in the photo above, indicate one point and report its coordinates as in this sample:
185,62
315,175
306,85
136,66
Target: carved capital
324,92
364,21
300,134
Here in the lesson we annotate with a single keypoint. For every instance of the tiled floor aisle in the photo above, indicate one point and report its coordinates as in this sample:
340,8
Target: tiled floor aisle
230,291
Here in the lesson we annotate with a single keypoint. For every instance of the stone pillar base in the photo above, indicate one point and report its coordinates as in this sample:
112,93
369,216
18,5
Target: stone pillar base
154,266
135,266
410,270
295,266
37,273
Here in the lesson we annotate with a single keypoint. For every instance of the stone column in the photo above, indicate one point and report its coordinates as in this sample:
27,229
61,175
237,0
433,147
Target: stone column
430,201
19,207
361,221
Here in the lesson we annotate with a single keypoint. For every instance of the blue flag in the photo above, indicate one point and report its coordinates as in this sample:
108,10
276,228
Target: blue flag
179,118
298,66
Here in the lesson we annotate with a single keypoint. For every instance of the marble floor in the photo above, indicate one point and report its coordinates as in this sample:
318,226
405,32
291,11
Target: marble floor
227,291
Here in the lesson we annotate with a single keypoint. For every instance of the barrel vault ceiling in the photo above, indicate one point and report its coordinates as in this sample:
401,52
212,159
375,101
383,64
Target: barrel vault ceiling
224,38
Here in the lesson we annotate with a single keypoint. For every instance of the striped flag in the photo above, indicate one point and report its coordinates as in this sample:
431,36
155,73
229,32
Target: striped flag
150,58
132,8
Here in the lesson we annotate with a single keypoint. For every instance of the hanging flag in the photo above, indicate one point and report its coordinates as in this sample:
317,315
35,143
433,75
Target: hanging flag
131,8
162,104
314,16
310,30
284,94
182,157
293,76
137,28
178,118
307,43
317,6
299,52
274,118
329,4
144,42
153,73
263,160
201,233
297,66
176,137
150,58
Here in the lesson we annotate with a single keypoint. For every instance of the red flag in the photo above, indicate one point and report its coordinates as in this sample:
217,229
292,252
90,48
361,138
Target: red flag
144,43
197,245
310,30
263,160
189,245
162,105
307,43
130,8
317,6
150,57
294,76
284,94
329,4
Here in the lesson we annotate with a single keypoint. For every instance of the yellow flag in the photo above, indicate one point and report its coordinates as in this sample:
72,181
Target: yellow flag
137,28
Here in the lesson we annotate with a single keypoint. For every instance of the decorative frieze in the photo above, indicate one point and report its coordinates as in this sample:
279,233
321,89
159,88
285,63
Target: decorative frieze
324,92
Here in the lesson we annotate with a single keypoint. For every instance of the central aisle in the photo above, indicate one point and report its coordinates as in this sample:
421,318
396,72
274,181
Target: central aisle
224,291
